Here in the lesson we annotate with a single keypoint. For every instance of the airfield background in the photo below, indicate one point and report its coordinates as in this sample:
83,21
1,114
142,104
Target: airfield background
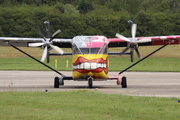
20,18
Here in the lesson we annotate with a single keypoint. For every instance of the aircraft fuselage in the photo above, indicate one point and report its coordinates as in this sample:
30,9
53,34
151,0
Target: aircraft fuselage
90,57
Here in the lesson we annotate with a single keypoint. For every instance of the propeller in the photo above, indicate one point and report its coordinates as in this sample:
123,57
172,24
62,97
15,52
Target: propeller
132,42
47,43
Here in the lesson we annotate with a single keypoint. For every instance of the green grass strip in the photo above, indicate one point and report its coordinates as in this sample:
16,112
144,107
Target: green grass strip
115,64
85,105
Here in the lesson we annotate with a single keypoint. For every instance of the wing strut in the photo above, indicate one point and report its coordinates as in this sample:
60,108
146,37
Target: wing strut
144,58
36,59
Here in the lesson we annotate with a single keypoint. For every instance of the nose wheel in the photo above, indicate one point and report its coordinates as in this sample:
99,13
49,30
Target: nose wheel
90,82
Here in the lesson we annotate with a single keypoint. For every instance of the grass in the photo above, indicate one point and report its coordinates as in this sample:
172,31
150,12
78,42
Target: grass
30,64
85,105
166,60
116,64
148,65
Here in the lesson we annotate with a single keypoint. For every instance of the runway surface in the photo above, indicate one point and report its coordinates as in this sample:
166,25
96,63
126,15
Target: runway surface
160,84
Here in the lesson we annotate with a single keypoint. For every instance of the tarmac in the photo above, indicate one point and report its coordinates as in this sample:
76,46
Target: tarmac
157,84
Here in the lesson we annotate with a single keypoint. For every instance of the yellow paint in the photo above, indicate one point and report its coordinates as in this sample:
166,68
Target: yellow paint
102,74
67,63
55,63
108,62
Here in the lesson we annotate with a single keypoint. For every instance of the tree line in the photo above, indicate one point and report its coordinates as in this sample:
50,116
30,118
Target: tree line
21,18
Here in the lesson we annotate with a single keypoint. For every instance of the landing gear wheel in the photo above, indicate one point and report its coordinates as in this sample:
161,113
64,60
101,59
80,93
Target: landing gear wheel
56,82
61,81
90,83
124,83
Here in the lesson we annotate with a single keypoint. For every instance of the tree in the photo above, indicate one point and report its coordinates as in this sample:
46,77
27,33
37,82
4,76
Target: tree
85,7
141,20
70,10
174,5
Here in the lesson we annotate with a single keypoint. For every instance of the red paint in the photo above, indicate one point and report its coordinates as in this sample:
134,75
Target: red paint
163,42
83,60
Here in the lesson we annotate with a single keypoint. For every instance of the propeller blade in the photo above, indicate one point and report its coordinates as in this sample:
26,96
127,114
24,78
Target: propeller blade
144,40
59,50
122,37
44,54
55,34
138,53
35,44
134,26
42,34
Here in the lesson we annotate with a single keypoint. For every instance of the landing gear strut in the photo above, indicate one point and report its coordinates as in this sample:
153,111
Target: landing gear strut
90,82
58,81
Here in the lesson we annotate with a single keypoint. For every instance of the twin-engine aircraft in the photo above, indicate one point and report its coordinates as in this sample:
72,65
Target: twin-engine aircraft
90,53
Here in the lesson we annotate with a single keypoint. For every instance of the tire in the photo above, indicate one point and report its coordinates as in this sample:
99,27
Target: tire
124,83
90,83
56,82
61,81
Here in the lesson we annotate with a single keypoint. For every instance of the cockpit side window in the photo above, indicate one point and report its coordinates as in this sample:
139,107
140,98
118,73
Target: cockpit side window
76,50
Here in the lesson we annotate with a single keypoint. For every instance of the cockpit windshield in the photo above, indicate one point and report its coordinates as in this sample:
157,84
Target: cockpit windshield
90,45
89,50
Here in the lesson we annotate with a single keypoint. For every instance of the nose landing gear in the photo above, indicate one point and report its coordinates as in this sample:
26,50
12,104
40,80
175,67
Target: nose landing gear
90,82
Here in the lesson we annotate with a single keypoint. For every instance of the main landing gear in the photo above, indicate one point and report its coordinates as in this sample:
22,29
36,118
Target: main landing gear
58,81
122,81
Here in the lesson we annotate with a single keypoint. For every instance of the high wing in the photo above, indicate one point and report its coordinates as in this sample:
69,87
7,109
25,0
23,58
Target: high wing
150,41
140,41
24,42
134,42
46,43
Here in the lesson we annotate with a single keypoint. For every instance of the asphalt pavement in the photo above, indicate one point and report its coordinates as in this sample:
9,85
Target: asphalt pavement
159,84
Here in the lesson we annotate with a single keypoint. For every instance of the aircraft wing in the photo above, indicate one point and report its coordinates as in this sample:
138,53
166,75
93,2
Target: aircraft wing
24,42
146,41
